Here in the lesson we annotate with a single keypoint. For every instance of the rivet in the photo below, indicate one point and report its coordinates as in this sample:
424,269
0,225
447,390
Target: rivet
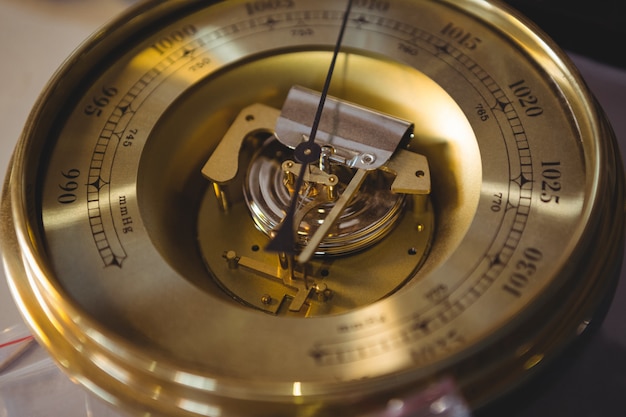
368,159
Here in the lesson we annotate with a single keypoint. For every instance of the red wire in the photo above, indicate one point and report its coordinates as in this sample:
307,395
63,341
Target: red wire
16,341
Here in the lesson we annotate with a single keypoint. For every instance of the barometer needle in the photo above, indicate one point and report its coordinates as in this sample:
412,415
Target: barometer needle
306,153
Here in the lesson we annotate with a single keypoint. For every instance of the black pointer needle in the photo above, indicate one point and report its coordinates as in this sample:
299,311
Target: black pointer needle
306,153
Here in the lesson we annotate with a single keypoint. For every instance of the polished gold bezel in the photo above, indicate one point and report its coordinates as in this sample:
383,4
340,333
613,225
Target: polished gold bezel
129,372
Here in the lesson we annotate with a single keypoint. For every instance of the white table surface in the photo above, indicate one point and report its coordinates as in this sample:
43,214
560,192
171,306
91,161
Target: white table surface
37,35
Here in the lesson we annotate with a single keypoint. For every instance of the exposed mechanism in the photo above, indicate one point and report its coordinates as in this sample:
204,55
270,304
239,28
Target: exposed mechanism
353,198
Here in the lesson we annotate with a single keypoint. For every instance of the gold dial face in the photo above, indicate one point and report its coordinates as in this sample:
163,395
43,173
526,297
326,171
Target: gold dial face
449,228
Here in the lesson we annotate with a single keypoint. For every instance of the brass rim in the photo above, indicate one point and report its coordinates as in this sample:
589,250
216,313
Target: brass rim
123,372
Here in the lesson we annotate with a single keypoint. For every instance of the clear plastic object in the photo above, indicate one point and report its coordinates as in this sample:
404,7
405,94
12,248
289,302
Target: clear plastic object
441,399
14,342
31,385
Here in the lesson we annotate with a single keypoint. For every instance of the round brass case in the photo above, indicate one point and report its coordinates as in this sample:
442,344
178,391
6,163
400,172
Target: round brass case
101,208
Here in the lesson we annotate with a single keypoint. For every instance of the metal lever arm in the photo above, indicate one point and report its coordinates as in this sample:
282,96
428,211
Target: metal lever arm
223,164
332,217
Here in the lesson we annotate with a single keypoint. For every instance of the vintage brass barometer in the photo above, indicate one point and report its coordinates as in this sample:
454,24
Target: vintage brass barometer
202,220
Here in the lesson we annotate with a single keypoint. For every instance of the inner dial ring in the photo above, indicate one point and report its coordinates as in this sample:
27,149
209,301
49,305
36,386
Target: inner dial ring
417,98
